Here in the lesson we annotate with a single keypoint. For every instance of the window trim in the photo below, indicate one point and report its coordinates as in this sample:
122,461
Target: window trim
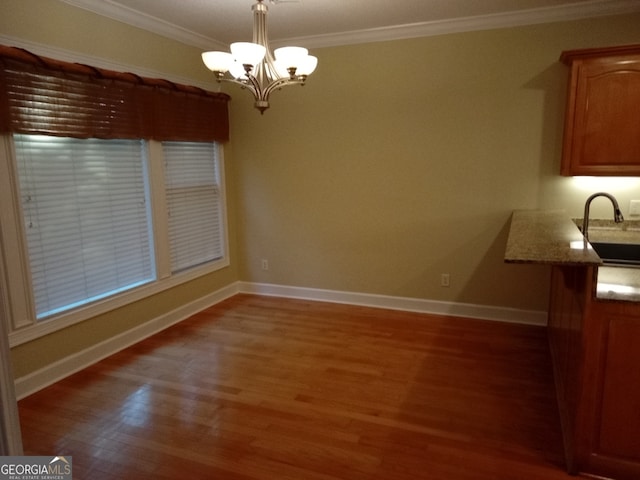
23,326
13,239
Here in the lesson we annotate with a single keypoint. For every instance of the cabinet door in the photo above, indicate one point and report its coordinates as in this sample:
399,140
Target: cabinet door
620,417
615,449
569,285
602,130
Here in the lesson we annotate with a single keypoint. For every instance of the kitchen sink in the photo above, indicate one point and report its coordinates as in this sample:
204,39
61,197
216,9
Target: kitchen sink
618,253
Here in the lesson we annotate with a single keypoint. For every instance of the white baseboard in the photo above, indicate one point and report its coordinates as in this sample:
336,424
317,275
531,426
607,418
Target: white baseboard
482,312
50,374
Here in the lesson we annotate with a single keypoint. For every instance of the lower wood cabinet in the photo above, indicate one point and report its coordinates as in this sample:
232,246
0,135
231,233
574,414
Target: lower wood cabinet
595,346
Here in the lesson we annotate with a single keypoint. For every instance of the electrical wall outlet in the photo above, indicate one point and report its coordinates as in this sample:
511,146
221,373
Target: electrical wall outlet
634,208
265,264
445,280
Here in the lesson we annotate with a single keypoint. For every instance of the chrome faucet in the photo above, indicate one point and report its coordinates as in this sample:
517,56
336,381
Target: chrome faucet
617,214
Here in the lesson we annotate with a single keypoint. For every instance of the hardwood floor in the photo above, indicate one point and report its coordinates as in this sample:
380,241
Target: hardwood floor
261,388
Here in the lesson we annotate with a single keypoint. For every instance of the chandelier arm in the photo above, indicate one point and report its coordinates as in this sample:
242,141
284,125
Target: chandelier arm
243,84
278,84
255,85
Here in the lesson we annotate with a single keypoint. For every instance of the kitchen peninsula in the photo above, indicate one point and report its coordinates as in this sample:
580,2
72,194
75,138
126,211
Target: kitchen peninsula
548,237
594,334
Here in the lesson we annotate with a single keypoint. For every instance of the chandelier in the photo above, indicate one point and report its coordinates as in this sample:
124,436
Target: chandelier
253,67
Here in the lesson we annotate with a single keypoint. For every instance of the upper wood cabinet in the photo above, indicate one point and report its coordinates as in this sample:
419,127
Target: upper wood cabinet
602,122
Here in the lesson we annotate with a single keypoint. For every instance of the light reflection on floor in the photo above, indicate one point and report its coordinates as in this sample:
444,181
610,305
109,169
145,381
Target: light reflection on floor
135,409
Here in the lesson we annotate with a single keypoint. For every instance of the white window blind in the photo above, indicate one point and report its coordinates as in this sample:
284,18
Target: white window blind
192,183
86,216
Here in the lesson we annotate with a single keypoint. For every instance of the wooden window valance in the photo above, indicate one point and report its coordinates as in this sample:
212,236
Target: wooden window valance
39,95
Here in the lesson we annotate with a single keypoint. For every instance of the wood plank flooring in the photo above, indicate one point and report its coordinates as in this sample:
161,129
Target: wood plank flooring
260,388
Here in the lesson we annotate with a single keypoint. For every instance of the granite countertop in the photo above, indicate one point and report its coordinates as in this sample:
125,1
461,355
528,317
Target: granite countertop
551,237
609,231
547,237
618,283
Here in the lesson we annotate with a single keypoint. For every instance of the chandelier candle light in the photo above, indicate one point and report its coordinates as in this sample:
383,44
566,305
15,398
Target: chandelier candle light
252,66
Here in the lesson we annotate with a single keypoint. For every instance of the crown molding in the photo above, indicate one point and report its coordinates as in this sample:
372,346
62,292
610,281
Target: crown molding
132,17
100,62
573,11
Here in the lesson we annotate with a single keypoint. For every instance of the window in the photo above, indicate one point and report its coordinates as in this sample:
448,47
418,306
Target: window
90,220
192,185
86,218
95,228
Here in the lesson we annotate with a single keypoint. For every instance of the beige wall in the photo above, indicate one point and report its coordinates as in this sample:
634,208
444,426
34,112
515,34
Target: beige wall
403,160
58,24
398,161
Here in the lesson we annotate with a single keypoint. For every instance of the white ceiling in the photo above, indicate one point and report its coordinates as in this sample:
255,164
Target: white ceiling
318,23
